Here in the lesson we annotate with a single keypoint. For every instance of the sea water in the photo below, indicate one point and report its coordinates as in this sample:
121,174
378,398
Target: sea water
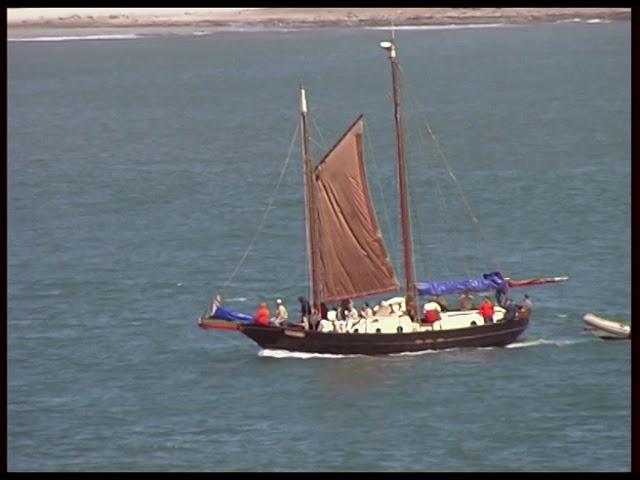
147,174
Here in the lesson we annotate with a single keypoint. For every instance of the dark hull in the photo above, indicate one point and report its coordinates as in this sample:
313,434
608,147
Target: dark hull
298,340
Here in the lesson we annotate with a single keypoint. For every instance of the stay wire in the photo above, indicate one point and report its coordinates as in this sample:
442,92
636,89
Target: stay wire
266,213
474,220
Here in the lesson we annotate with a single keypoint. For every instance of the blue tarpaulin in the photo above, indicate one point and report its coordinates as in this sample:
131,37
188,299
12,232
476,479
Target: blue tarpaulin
489,281
226,314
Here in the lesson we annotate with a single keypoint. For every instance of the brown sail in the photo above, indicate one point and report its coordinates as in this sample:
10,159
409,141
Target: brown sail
353,257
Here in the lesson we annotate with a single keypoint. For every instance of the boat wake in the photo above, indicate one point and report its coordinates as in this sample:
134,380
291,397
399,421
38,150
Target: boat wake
287,354
542,341
303,355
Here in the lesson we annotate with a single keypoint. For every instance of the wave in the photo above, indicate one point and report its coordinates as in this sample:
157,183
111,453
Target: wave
531,343
287,354
542,341
119,36
569,20
580,20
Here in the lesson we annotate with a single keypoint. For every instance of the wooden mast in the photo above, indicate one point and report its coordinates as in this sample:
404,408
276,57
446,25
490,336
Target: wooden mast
410,282
310,210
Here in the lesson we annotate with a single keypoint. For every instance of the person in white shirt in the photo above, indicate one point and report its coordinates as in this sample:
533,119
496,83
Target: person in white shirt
282,315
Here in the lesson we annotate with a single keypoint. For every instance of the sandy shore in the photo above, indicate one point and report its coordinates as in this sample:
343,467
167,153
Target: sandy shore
21,19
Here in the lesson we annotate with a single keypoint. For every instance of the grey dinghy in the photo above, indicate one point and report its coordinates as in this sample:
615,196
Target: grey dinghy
607,329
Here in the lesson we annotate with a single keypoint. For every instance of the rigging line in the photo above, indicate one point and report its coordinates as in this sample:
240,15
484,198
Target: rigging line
317,129
418,219
444,210
479,231
267,210
385,210
472,216
439,195
316,143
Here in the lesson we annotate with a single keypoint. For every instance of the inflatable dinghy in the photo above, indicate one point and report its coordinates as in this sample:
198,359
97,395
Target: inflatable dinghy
607,329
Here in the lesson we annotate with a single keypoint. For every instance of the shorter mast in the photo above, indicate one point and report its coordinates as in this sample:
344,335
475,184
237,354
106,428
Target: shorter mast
410,281
310,207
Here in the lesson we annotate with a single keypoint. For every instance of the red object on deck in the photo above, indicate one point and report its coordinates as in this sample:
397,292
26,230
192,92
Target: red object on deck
431,316
213,324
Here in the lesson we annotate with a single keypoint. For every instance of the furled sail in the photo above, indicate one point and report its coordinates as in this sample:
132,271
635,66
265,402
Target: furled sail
489,281
353,256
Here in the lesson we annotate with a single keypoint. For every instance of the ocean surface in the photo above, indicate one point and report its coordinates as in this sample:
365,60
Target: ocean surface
148,173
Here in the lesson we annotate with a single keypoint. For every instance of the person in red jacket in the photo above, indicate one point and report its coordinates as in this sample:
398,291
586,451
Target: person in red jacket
431,311
263,315
486,310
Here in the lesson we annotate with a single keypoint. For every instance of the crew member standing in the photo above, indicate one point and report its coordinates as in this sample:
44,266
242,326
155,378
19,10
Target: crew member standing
263,315
486,310
305,311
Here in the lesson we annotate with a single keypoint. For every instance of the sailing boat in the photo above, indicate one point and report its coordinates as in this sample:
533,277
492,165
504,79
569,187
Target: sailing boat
348,259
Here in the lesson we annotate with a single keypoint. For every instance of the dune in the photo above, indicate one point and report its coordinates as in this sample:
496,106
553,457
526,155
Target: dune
55,18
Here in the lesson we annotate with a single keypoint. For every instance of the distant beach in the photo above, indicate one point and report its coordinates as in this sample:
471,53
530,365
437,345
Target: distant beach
24,22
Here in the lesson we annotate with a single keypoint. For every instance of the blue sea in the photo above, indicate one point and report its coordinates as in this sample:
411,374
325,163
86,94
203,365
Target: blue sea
146,173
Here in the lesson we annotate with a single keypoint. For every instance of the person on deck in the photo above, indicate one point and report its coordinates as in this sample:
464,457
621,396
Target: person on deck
282,315
527,303
351,312
314,321
466,301
501,296
323,311
305,311
511,310
351,316
411,307
345,309
215,303
440,300
263,315
431,311
487,310
367,311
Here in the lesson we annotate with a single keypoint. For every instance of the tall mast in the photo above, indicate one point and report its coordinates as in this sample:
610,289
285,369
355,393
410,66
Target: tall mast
410,282
310,210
